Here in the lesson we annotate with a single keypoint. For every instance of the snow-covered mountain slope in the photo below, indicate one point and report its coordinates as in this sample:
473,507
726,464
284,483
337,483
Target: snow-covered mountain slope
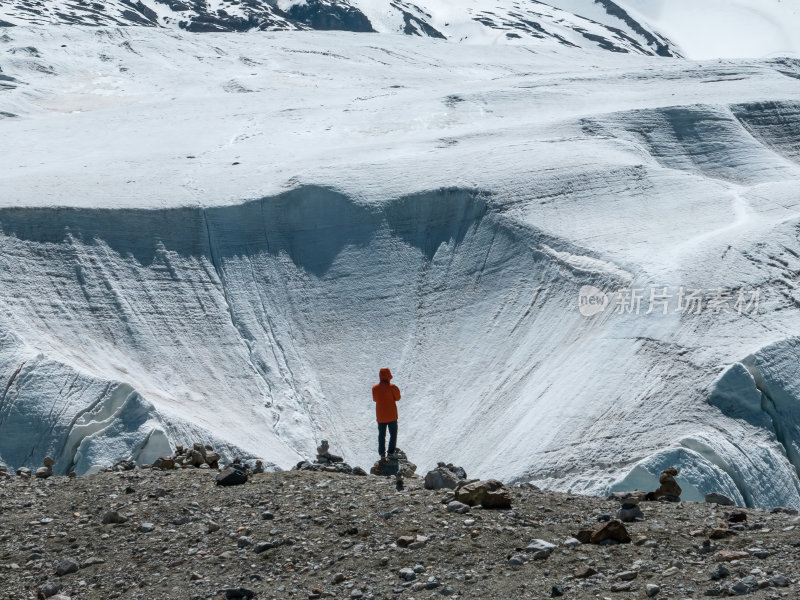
474,21
224,237
722,28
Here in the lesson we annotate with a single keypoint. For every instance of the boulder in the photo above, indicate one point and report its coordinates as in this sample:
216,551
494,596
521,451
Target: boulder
165,462
444,476
232,475
721,499
43,472
489,493
196,457
584,536
537,546
612,530
457,507
736,516
630,513
48,462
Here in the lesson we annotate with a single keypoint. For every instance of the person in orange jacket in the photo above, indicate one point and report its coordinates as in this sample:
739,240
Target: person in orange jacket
385,395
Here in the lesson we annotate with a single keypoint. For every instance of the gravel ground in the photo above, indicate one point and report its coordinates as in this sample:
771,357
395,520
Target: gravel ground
316,535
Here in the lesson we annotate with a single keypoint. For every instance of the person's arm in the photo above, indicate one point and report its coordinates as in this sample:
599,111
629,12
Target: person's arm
374,395
396,392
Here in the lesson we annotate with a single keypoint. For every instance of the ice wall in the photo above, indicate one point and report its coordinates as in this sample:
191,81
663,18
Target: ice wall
263,324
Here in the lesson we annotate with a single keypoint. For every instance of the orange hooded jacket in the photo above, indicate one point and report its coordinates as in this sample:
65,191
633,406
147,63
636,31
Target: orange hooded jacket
385,395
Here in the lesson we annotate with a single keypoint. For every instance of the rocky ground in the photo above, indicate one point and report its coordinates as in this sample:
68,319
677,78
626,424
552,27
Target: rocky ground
151,534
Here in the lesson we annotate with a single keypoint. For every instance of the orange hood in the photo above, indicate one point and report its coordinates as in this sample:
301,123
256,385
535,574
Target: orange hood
385,374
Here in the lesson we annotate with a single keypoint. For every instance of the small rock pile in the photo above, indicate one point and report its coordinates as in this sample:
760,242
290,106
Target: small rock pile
330,463
629,510
46,470
397,466
199,456
609,533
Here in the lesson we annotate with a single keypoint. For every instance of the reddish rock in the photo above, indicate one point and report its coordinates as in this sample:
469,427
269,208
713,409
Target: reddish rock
719,533
669,488
611,530
736,516
489,493
729,555
585,572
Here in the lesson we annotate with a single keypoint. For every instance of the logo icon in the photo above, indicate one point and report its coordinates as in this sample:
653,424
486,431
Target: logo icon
592,300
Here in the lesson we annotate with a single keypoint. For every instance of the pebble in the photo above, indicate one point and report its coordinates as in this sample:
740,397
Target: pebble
621,587
540,549
457,507
113,517
407,574
67,566
652,590
720,571
51,588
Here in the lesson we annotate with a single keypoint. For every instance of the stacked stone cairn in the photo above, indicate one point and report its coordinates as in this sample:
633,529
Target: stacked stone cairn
328,462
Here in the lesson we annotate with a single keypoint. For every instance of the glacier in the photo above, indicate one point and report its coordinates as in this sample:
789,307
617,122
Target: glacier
222,237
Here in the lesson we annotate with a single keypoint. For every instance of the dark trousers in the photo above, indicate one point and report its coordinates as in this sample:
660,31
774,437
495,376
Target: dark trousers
382,437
